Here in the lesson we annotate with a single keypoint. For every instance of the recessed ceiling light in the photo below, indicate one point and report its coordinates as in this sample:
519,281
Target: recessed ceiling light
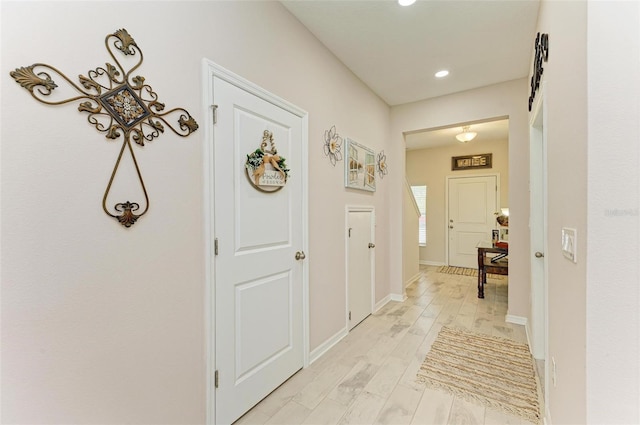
442,73
406,2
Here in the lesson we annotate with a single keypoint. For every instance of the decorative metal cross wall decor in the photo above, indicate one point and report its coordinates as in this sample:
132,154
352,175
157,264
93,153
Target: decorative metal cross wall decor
118,104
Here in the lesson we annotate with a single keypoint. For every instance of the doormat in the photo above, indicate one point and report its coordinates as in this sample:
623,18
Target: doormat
496,372
466,272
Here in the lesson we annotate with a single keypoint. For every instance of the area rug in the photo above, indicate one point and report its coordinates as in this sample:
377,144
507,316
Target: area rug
466,272
497,372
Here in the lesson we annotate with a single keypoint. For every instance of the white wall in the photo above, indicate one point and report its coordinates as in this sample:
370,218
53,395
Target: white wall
507,99
432,166
565,95
102,324
612,294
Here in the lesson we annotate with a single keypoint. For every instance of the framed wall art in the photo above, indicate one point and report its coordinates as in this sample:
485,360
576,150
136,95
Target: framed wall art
470,162
359,167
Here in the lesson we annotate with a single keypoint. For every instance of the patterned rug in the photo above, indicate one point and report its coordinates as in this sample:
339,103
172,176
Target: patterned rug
497,372
466,272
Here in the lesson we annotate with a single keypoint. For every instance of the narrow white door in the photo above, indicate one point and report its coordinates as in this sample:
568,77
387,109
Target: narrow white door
258,281
472,208
360,237
538,232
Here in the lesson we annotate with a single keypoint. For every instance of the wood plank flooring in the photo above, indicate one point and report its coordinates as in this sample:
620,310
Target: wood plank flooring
370,376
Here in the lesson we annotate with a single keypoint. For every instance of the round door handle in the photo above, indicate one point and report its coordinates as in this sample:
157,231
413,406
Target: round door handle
539,254
300,255
372,245
450,227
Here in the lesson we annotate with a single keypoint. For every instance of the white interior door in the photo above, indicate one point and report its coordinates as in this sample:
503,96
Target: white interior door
538,236
258,281
361,249
472,208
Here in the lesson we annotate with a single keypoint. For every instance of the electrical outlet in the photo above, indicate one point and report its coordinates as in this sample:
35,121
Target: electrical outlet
553,372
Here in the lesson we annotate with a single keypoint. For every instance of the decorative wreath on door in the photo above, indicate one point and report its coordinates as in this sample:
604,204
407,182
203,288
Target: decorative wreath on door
266,170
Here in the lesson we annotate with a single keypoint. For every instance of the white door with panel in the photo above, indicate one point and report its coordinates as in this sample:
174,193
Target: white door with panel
361,256
258,280
472,216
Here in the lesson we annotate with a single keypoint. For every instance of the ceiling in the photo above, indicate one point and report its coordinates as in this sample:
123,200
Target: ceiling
397,50
487,131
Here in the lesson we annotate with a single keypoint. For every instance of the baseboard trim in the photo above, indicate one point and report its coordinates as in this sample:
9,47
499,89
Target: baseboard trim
410,281
516,320
399,298
546,420
327,345
431,263
519,320
381,303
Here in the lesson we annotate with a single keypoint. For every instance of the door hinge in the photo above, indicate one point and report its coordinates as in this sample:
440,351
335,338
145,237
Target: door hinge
215,113
215,246
349,315
215,379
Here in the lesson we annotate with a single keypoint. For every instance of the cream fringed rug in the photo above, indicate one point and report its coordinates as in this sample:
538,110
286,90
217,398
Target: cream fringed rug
465,272
496,372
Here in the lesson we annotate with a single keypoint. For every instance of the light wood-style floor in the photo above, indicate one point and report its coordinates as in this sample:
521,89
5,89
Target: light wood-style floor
370,376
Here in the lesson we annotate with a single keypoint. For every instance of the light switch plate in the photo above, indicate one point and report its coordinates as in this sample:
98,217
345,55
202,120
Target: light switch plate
569,243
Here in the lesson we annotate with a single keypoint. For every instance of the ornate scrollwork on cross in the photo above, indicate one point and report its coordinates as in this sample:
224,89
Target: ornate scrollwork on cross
118,103
541,54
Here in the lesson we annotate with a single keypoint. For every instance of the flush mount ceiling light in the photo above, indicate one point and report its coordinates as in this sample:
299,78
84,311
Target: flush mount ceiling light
441,74
406,2
466,135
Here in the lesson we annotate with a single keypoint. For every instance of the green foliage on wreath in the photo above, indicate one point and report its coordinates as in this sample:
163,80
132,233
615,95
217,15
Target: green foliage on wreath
254,160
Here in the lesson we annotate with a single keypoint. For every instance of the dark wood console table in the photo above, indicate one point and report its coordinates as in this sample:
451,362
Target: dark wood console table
497,264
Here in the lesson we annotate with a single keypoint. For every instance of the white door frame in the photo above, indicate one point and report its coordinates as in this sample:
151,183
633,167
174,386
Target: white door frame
349,209
209,71
539,226
446,204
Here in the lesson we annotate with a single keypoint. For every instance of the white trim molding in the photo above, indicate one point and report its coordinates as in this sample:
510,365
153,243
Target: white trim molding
320,350
382,303
432,263
398,297
410,280
516,320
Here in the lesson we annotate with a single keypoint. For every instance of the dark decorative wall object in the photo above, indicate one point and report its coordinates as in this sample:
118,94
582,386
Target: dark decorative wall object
118,104
541,54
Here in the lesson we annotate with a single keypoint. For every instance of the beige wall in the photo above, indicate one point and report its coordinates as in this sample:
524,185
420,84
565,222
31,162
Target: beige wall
432,166
507,99
102,324
613,193
410,251
565,95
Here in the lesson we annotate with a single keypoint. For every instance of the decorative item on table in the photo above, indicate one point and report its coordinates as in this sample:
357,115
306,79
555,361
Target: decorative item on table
503,229
494,236
333,145
359,167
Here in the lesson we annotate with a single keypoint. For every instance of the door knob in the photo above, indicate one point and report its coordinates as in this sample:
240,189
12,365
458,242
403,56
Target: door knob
372,245
450,227
539,254
300,255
